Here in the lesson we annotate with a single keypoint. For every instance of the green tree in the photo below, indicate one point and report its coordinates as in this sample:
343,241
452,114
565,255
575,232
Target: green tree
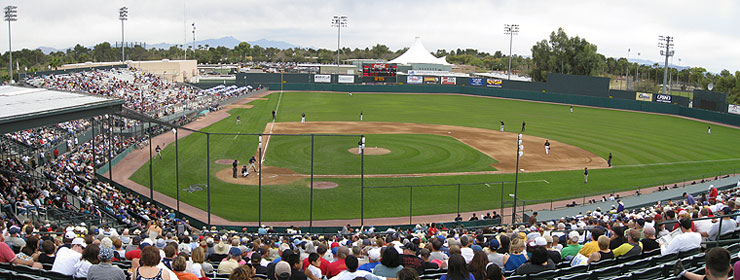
563,54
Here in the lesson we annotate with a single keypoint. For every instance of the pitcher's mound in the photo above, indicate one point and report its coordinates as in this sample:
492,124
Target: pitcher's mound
371,151
323,185
224,161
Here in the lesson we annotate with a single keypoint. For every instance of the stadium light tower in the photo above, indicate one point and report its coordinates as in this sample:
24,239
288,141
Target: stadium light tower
11,14
123,16
338,22
665,43
511,30
193,40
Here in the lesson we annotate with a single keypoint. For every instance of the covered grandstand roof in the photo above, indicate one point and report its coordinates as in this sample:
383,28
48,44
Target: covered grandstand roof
417,53
23,108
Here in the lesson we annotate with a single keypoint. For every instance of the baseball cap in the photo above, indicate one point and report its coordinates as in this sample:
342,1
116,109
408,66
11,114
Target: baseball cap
184,248
540,241
79,241
234,251
282,270
374,254
70,235
106,253
727,210
476,248
494,244
14,230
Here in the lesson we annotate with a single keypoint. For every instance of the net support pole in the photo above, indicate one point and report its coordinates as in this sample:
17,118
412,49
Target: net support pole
177,173
208,174
310,215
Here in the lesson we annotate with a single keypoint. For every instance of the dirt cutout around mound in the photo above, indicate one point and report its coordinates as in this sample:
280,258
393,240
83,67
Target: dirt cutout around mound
323,185
371,151
500,146
270,176
224,161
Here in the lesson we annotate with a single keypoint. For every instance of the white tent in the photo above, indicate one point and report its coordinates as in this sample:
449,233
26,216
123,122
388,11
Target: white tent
417,53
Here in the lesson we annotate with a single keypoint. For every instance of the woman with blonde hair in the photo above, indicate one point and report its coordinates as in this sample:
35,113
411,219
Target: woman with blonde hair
604,252
516,255
199,261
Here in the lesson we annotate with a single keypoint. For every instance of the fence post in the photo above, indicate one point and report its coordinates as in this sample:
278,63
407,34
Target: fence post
502,200
310,215
550,204
458,199
151,177
411,203
208,174
177,174
362,181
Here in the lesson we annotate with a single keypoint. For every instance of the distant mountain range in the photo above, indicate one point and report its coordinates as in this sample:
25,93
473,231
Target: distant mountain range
651,63
228,41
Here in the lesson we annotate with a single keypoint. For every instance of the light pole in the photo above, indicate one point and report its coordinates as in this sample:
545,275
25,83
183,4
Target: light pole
627,73
519,153
511,30
11,14
338,22
123,16
193,40
637,76
665,43
259,173
362,180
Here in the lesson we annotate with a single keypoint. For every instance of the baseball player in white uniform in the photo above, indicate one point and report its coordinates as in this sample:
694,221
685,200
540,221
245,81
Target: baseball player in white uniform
547,147
502,126
303,118
360,115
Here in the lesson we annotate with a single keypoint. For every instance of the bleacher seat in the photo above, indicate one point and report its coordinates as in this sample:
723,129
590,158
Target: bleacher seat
627,276
635,265
602,263
648,273
547,274
6,266
260,276
663,259
607,272
572,270
6,274
577,276
655,252
691,252
623,259
26,270
517,277
53,275
24,276
734,248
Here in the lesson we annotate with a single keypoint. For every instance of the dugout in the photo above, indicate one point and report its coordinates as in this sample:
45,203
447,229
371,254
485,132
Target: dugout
710,100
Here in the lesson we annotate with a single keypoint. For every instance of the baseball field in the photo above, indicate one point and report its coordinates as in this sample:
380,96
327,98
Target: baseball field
418,139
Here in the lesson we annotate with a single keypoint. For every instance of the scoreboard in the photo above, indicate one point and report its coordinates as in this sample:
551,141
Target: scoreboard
379,70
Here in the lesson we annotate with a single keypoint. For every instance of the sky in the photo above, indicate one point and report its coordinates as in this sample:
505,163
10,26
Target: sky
705,31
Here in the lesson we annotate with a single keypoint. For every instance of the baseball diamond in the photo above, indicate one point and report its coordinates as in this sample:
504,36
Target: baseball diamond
434,139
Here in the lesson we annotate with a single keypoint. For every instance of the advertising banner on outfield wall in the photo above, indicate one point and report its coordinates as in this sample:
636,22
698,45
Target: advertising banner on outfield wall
733,109
414,80
663,98
476,81
449,80
643,96
344,79
322,78
493,82
431,80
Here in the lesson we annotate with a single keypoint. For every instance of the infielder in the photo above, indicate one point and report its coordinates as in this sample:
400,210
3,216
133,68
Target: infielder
350,93
251,163
273,115
609,161
547,147
524,126
360,115
585,175
238,120
709,129
502,126
303,118
360,146
159,151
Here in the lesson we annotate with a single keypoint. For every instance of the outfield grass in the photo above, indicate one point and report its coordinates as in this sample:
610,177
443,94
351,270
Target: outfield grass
648,149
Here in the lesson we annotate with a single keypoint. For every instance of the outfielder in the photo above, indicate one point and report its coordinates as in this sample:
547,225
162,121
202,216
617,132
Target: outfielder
547,147
350,93
159,152
360,115
571,109
502,126
524,126
585,175
303,118
709,129
238,119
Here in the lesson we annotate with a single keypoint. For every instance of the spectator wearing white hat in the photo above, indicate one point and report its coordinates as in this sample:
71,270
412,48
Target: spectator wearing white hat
67,258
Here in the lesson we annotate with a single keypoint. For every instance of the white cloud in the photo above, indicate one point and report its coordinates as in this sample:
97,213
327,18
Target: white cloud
705,31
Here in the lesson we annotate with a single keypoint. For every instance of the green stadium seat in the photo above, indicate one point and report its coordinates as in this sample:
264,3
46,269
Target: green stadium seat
577,276
53,275
635,265
663,259
27,270
691,252
627,276
603,263
648,273
543,275
607,272
572,270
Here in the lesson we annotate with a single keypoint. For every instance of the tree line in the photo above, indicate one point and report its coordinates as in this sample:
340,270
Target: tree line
559,53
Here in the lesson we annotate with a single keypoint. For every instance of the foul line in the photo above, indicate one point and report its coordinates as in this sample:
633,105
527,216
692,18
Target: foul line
677,162
267,141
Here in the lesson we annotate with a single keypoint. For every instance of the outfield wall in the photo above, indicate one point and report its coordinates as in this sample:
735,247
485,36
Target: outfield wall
612,103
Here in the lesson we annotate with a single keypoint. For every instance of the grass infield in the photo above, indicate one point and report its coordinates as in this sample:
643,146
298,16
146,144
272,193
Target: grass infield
648,149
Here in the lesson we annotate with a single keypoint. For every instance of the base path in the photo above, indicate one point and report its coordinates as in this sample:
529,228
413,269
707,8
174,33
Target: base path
500,146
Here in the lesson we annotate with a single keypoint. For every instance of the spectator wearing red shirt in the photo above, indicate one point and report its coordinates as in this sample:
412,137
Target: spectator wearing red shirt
7,255
338,266
321,250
